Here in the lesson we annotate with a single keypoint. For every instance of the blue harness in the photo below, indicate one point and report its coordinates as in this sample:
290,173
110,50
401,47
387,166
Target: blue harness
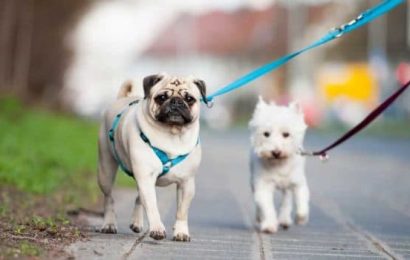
167,163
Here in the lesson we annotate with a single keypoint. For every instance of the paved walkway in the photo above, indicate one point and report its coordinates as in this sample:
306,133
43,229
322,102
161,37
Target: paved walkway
360,209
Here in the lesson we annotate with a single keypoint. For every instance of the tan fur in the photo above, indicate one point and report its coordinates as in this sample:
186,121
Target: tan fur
125,89
142,161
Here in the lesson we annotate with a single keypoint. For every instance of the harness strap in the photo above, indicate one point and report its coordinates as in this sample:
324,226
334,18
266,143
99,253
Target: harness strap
167,163
111,134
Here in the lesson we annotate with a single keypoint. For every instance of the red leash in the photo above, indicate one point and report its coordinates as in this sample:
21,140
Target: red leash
365,122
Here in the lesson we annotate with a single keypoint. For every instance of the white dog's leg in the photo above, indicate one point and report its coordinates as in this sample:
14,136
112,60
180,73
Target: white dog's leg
147,194
285,219
107,169
263,196
185,193
138,216
302,204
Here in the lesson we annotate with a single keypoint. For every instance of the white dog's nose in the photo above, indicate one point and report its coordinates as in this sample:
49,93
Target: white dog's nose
276,154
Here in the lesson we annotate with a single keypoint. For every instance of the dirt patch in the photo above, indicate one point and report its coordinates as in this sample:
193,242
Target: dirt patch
34,226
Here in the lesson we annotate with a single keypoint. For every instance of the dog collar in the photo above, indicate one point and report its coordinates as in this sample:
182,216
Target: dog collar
167,163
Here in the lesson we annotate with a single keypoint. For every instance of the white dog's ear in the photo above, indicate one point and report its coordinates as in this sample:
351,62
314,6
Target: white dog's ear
261,103
260,106
295,106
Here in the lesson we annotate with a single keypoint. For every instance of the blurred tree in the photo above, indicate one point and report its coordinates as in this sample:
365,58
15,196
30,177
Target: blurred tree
33,46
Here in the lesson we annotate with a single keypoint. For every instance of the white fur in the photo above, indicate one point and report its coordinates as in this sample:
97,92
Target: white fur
276,164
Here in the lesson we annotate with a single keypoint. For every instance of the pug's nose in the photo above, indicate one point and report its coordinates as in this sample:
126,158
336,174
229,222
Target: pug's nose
276,154
176,102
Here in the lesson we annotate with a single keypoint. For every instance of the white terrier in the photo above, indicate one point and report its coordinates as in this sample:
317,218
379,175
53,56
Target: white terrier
277,134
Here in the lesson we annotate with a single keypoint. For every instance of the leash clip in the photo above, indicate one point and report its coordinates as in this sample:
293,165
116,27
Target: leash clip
324,157
305,153
337,31
340,30
355,20
209,104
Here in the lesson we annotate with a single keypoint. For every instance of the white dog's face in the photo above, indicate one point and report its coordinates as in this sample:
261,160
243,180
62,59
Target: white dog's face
277,132
174,101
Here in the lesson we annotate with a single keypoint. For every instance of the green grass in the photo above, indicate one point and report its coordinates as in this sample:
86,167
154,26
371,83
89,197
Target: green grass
24,248
43,152
48,165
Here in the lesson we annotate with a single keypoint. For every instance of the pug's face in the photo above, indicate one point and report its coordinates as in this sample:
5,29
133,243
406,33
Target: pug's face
174,101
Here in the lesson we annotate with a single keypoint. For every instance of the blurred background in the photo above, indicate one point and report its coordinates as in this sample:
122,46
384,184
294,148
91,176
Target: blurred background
62,63
73,55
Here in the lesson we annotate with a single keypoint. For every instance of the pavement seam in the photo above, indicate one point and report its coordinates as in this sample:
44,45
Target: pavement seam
247,218
261,247
333,210
382,247
245,204
136,243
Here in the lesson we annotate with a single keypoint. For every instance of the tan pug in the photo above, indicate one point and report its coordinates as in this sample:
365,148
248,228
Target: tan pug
166,119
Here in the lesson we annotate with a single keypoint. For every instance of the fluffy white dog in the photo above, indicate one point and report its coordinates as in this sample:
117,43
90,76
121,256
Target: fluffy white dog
277,134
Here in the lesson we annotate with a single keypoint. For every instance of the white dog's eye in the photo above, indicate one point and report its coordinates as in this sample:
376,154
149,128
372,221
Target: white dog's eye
285,134
266,134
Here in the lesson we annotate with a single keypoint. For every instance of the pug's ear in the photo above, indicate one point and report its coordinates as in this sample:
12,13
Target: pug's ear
202,89
150,81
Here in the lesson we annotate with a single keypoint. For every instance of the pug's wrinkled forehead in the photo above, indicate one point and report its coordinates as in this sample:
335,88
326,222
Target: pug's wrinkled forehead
173,85
177,86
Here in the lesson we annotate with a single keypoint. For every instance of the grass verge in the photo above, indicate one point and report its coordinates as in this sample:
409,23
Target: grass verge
47,166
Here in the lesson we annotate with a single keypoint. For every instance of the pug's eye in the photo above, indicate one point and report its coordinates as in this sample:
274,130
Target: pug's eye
266,134
189,99
285,134
161,98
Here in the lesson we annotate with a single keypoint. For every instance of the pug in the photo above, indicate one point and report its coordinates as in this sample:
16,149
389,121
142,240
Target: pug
137,134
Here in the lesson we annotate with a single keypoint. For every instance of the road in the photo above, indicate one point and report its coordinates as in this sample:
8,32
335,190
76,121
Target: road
360,208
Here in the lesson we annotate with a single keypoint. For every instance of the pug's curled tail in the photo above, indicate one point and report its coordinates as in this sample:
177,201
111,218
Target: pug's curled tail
126,90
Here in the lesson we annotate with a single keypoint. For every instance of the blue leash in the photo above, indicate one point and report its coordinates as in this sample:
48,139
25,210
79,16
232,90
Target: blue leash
167,163
361,20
